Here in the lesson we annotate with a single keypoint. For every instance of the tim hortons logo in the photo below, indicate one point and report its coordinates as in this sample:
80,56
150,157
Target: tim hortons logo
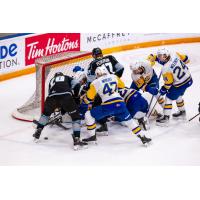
50,45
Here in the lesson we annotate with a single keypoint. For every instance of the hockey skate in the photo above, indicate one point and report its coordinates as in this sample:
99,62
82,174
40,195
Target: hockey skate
180,115
102,130
163,121
144,123
144,139
37,134
91,140
78,144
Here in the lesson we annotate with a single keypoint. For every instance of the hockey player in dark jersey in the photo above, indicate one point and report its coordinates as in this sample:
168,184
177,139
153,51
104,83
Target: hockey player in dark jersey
112,66
110,62
60,96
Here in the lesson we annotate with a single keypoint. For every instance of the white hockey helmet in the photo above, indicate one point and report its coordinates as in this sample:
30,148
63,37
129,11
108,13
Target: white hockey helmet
100,71
163,51
138,63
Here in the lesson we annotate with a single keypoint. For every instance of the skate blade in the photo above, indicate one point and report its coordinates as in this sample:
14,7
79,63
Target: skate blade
162,124
148,144
35,140
180,118
92,142
77,147
104,133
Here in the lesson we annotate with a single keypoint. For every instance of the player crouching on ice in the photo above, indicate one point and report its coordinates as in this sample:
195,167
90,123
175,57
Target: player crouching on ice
137,106
145,78
60,96
177,79
106,85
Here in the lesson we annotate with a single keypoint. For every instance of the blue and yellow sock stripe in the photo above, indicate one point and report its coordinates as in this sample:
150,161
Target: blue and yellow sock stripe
161,100
91,127
180,104
168,106
136,130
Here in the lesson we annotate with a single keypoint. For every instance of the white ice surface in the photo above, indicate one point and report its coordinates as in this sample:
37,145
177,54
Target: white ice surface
178,144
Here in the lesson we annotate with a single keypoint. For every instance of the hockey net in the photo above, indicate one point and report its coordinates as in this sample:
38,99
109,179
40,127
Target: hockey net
46,67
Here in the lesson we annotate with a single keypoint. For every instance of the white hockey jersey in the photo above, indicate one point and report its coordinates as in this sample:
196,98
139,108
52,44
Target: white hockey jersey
175,72
147,74
107,88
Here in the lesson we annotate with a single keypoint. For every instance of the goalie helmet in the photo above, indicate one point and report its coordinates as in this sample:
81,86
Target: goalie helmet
100,71
97,52
80,76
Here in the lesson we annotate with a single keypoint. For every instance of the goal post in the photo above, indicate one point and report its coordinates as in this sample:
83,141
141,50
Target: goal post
46,67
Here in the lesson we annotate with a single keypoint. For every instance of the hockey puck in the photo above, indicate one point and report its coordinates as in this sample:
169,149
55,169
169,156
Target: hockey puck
46,138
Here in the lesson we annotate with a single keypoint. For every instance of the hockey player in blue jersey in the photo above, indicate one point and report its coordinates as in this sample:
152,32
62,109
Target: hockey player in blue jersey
137,106
106,85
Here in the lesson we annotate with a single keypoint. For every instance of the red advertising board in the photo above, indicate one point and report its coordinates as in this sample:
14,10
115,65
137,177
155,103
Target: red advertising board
50,43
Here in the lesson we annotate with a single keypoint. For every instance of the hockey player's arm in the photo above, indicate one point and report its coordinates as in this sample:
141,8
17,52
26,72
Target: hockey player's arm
168,81
118,68
152,58
90,95
183,57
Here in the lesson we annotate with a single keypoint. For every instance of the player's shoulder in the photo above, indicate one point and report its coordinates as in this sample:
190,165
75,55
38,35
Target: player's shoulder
110,57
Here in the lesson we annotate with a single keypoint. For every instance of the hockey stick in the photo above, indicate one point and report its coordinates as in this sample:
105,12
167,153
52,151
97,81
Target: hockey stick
194,117
53,121
153,95
153,107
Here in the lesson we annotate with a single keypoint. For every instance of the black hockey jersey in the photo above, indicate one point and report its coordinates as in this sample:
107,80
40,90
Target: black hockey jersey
110,62
63,85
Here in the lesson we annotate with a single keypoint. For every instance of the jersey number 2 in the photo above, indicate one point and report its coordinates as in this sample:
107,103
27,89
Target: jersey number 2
180,71
110,88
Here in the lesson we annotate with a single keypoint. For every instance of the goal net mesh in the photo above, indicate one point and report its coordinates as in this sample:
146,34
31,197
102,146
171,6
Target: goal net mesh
46,67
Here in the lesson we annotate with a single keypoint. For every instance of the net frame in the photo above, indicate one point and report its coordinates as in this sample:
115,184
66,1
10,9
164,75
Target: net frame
42,65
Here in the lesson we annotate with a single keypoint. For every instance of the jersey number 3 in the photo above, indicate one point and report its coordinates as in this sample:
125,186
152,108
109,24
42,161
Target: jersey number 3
110,88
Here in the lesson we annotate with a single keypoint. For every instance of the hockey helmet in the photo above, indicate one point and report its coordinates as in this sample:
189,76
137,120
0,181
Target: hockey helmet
100,71
58,74
97,52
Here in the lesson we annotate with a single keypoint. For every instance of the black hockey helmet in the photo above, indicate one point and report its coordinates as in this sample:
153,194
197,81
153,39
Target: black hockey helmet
96,52
58,74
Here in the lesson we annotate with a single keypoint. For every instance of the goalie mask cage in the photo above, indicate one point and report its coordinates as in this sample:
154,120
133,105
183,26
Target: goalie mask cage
46,67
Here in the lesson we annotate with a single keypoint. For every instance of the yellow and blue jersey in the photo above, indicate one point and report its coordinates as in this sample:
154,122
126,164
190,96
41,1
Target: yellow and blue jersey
106,86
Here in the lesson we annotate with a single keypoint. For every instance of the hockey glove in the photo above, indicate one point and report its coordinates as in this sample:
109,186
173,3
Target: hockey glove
163,91
151,90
